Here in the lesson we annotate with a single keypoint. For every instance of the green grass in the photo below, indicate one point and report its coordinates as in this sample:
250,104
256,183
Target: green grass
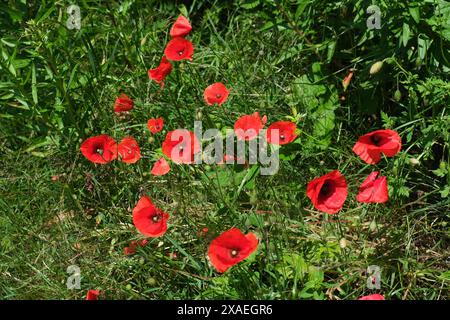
58,87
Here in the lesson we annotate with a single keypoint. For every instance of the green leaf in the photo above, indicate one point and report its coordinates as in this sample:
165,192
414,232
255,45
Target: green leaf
301,7
406,34
445,192
415,13
331,48
33,84
250,4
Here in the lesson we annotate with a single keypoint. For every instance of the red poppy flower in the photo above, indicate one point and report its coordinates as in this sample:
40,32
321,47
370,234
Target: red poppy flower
155,125
374,189
247,127
178,49
131,249
328,192
129,150
180,146
281,132
370,146
161,167
99,149
149,220
375,296
230,248
123,103
216,93
92,295
181,27
159,73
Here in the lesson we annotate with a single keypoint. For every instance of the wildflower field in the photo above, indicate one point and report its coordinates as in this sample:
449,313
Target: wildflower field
245,149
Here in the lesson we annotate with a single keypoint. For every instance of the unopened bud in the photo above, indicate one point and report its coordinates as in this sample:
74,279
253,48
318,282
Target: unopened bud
376,67
397,95
343,243
414,161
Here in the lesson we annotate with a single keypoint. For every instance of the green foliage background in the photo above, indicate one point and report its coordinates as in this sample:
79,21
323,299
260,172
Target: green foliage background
285,59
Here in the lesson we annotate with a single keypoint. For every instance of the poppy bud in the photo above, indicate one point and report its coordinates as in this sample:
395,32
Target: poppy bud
151,281
376,67
151,139
397,95
143,41
346,81
418,62
343,243
414,161
294,111
199,115
373,225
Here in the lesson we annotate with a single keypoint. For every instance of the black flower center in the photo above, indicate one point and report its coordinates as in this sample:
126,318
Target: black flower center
376,139
282,137
326,189
218,96
99,151
156,218
234,253
180,53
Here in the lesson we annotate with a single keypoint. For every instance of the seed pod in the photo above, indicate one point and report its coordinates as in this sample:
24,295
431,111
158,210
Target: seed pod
376,67
151,139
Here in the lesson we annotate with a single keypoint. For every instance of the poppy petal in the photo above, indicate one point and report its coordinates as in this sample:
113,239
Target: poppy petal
181,27
92,294
374,189
375,296
328,192
181,146
149,220
281,132
159,73
216,93
179,49
99,149
248,127
230,248
155,125
129,150
123,103
161,167
370,146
